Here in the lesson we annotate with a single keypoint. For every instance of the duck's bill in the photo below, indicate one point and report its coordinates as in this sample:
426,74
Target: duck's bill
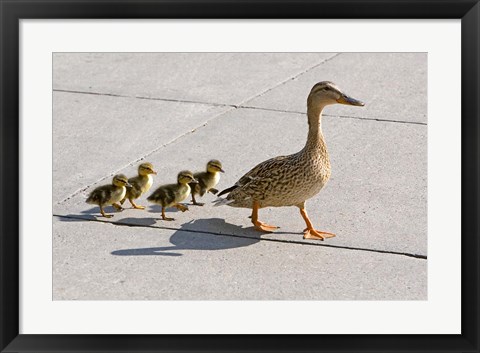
128,185
344,99
194,181
154,173
221,170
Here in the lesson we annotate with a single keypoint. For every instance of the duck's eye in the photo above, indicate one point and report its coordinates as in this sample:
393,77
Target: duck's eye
327,88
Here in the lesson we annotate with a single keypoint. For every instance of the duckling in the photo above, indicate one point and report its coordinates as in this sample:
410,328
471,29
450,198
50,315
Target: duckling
110,194
207,180
291,180
170,195
140,184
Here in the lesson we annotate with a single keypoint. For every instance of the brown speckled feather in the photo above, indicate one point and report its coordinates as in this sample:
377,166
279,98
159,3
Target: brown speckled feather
167,195
281,181
105,195
206,181
138,183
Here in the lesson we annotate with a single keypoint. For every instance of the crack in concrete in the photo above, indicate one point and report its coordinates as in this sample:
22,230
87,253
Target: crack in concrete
291,78
124,224
335,116
241,106
199,102
146,98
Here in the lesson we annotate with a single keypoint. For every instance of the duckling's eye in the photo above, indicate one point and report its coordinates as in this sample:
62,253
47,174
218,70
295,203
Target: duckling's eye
327,88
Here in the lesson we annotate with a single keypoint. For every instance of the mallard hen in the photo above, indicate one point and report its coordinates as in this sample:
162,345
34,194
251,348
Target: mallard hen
291,180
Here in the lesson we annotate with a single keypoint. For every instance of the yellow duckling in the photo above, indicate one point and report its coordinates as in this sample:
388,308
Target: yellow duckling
291,180
110,194
207,180
172,194
140,184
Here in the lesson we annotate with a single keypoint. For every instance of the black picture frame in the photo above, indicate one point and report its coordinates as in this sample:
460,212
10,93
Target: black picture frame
12,11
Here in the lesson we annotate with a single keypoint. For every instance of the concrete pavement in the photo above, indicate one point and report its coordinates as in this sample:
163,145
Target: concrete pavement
177,111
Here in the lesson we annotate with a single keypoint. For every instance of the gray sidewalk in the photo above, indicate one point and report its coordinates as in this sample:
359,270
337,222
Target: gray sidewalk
177,111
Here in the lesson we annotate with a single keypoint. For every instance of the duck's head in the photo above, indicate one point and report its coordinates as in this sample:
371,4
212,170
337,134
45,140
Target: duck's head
186,177
146,168
325,93
120,180
214,166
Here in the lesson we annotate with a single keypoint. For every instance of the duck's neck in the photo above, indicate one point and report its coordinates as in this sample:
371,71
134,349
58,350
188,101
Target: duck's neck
315,141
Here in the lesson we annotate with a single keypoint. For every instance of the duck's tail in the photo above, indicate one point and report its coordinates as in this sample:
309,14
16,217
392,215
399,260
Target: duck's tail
220,201
227,190
92,199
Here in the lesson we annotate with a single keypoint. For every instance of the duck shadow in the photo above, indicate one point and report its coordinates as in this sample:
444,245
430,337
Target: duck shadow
187,238
94,214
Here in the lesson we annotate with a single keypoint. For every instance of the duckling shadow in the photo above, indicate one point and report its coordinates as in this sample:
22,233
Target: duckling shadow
194,236
92,214
77,218
96,210
147,221
158,209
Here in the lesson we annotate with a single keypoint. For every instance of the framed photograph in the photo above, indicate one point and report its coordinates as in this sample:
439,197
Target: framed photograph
234,176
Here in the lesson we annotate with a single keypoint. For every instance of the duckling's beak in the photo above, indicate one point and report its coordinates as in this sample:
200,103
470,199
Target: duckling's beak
344,99
154,172
194,181
221,170
128,185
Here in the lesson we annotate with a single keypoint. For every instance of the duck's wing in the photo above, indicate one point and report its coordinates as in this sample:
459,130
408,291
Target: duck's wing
200,187
100,195
135,191
260,175
164,195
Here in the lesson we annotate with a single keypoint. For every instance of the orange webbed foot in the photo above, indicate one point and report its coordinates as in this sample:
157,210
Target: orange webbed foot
316,234
263,227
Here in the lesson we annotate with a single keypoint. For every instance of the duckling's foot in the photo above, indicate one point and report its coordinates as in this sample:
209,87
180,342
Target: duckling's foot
180,207
263,227
105,214
138,207
194,202
165,218
316,234
117,207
